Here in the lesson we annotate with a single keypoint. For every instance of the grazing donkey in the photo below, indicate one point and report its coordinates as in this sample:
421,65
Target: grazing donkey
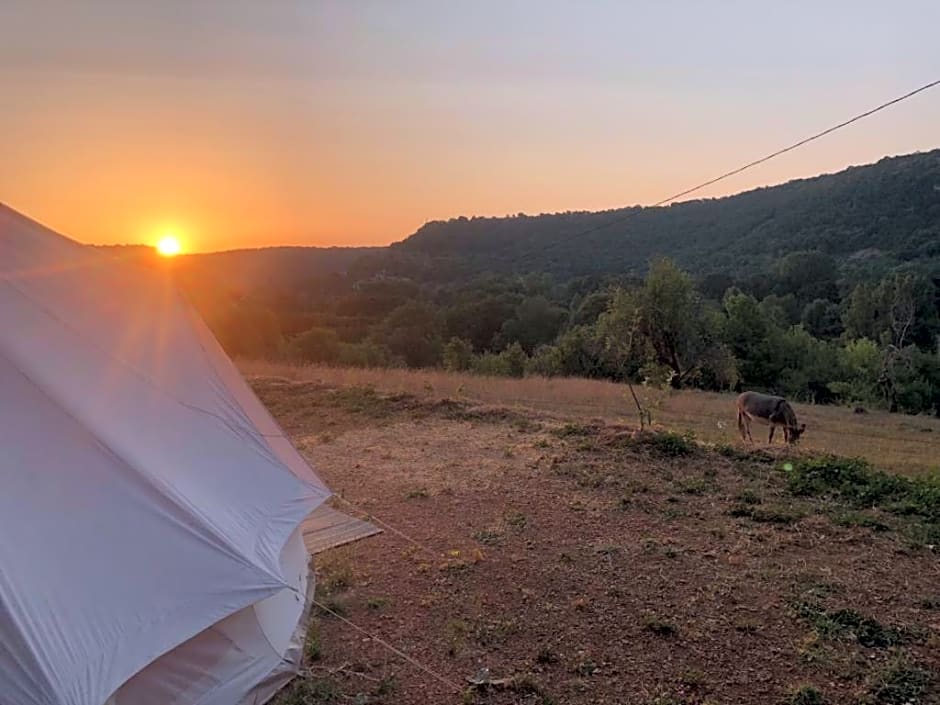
775,411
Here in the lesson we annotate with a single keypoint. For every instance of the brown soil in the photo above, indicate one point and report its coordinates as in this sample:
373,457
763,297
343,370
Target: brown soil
587,563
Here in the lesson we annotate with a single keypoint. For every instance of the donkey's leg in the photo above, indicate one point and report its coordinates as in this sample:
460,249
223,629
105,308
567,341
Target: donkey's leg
741,426
773,427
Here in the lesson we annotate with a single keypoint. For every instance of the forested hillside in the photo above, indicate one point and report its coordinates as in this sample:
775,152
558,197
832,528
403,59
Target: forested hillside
824,289
875,215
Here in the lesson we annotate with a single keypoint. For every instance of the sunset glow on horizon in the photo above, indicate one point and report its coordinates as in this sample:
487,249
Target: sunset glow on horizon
326,123
169,246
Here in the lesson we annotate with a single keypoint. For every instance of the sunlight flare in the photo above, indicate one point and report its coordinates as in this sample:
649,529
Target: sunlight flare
169,246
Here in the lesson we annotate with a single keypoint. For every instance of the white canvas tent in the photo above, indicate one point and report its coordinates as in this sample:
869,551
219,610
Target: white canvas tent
151,541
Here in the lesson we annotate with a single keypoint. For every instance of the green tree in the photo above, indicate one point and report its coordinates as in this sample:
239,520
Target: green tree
917,380
510,362
858,372
247,330
590,308
580,352
750,337
368,353
713,286
624,347
412,332
806,366
822,319
516,359
808,275
908,305
782,311
458,355
480,317
535,321
861,315
315,345
900,310
545,362
671,320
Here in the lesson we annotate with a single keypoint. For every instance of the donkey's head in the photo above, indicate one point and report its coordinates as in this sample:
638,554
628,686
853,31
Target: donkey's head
794,433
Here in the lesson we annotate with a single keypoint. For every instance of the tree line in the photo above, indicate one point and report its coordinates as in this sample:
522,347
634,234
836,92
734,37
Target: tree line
806,327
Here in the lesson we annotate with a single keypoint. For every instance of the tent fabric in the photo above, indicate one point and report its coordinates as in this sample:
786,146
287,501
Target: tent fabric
149,502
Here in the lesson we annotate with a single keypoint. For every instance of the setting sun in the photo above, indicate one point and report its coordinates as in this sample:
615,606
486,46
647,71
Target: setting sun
169,246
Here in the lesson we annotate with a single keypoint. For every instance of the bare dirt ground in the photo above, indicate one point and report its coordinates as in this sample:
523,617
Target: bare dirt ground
581,562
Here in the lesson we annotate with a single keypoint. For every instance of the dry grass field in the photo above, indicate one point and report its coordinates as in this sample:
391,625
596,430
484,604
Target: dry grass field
540,536
905,444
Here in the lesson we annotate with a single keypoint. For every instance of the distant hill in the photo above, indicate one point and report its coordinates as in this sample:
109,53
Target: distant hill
269,271
869,218
280,268
888,211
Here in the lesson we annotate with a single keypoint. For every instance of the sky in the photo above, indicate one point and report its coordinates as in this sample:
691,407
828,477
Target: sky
236,123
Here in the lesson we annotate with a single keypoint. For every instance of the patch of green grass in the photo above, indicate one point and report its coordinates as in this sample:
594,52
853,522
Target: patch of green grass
695,486
312,647
748,497
746,626
849,623
456,631
673,513
900,683
575,429
310,691
491,632
334,575
334,604
362,400
922,533
386,686
765,515
584,666
523,425
515,519
658,625
488,537
854,518
816,586
547,656
806,695
418,493
377,603
526,684
853,480
666,443
743,454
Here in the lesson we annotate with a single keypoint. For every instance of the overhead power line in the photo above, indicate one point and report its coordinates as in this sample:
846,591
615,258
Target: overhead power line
749,165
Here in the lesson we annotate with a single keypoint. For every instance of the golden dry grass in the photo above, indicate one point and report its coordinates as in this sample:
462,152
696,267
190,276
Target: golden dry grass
907,444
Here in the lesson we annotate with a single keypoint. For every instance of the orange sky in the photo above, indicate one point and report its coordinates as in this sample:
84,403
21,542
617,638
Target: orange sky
329,123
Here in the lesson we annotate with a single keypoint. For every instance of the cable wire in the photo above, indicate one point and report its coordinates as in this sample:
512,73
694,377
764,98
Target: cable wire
398,652
766,158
